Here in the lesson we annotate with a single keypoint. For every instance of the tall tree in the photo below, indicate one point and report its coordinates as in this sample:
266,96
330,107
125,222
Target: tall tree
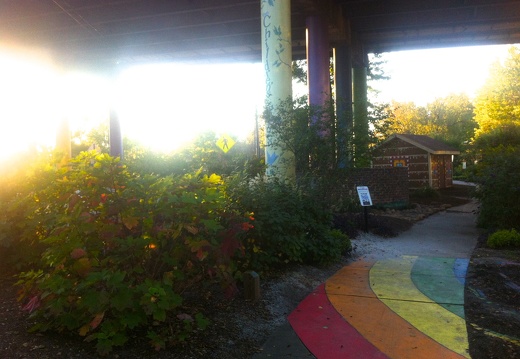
449,119
407,117
498,102
378,112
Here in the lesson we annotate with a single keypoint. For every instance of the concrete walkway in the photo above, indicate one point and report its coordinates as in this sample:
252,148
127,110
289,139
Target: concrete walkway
402,298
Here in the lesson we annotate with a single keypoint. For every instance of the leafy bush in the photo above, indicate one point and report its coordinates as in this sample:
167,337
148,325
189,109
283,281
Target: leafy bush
291,225
121,249
498,188
504,239
425,193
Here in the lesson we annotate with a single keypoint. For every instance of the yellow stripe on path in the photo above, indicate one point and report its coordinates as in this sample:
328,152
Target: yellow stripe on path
349,292
392,283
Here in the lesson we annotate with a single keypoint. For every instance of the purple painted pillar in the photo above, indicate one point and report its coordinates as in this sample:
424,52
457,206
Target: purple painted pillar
318,61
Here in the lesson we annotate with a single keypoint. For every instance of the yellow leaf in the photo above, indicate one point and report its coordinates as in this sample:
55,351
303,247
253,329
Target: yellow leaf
214,178
177,231
130,222
84,330
191,229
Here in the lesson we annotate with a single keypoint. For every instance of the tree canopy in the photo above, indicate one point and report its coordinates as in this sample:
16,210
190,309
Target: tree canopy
497,105
449,119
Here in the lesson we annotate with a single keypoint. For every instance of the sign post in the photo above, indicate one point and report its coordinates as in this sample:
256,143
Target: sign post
365,200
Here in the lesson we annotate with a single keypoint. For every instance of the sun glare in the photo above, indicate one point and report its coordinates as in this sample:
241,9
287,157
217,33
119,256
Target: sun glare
421,76
164,106
160,106
27,110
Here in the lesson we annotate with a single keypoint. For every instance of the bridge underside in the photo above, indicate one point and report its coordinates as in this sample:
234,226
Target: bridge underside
102,33
107,35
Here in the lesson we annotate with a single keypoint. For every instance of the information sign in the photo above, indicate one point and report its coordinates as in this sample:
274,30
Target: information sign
364,196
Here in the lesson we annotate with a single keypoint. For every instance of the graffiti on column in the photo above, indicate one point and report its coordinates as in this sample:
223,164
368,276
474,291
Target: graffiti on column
266,23
276,58
269,29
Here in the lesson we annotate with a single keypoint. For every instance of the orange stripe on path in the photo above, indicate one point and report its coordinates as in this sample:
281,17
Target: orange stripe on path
350,294
326,334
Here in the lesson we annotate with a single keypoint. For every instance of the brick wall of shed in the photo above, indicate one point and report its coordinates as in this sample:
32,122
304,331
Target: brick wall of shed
386,185
415,158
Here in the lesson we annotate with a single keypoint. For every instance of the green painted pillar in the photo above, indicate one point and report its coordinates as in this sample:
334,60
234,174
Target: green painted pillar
343,86
360,109
277,62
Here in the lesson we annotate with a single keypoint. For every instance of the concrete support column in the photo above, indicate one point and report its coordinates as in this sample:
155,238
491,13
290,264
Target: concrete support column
360,98
343,92
318,59
63,140
115,135
277,62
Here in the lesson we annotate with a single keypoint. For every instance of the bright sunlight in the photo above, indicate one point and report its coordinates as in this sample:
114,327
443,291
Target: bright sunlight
160,106
164,106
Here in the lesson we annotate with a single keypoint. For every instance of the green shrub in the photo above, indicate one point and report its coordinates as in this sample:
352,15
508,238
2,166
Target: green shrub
504,239
290,225
123,249
498,188
425,193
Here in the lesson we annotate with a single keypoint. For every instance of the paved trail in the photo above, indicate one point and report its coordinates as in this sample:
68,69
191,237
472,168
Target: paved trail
402,298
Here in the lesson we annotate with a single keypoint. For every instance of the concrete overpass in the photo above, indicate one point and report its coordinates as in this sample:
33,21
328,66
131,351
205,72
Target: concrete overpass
100,33
104,35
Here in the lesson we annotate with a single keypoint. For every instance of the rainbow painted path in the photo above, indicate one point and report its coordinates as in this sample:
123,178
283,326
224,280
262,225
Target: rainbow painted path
405,307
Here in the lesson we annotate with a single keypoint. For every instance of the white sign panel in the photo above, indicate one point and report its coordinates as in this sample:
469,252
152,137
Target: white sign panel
364,196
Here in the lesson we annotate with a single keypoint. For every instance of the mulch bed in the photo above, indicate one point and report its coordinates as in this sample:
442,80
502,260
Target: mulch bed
492,303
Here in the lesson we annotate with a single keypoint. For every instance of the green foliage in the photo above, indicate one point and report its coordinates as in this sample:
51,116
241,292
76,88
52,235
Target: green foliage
202,154
290,225
498,101
380,126
504,239
498,188
448,119
97,138
378,113
299,71
309,132
508,135
122,248
425,193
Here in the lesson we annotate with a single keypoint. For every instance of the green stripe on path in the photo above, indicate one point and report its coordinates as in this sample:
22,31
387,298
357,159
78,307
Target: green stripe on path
435,278
391,282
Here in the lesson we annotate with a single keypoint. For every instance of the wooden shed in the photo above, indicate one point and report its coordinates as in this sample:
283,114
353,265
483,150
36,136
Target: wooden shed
429,161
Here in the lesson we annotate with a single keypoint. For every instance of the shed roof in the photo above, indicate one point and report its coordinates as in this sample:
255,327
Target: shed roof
426,143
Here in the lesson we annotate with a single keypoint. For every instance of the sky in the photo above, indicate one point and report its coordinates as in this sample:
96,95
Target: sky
165,106
421,76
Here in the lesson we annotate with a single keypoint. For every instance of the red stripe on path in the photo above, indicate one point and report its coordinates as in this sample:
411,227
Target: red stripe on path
326,334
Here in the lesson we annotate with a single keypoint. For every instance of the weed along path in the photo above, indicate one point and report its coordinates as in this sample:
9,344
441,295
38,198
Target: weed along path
403,298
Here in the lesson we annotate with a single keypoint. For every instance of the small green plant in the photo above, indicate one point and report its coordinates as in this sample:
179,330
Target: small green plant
425,193
504,239
291,225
